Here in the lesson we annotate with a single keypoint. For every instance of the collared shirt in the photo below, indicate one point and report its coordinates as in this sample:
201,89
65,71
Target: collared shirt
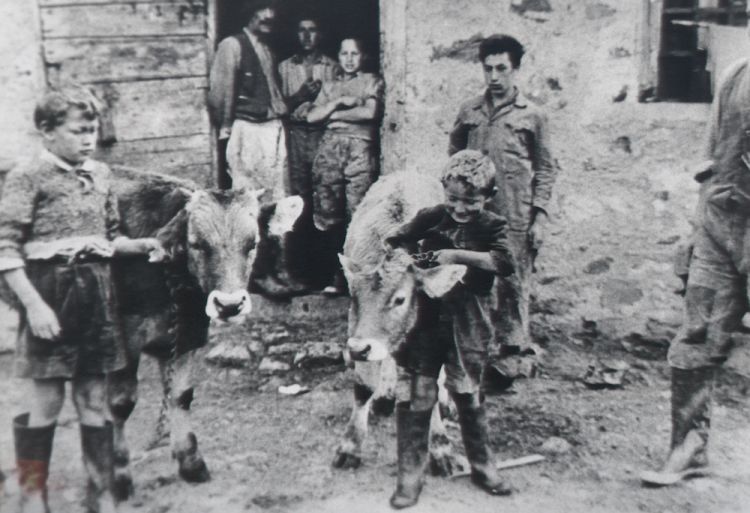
296,70
363,86
47,199
223,76
514,134
436,229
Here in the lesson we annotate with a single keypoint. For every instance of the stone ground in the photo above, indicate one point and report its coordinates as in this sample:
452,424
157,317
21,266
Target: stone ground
270,452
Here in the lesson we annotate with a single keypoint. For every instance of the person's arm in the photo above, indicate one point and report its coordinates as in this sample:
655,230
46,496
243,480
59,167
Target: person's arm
17,206
544,166
368,108
221,90
498,259
408,235
459,136
325,105
361,114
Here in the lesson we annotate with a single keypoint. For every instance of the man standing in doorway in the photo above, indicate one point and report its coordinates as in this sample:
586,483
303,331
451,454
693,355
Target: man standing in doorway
514,135
302,76
716,295
247,105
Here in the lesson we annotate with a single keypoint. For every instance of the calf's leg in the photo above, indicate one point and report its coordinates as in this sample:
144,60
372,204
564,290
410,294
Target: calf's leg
349,451
183,441
122,392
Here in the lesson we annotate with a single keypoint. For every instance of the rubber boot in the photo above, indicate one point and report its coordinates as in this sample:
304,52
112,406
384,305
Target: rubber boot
98,458
473,421
33,452
691,422
413,431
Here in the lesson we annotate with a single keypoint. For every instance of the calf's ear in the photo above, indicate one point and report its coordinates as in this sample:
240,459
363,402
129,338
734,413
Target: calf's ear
438,281
285,215
350,267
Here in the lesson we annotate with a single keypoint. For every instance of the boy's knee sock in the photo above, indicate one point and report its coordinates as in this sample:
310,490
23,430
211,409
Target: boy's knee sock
33,452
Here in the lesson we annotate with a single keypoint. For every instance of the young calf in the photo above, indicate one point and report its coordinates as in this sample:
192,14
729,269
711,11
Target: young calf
385,291
165,309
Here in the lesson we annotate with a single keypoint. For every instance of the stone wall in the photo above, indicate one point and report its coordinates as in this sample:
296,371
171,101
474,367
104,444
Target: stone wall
21,77
624,196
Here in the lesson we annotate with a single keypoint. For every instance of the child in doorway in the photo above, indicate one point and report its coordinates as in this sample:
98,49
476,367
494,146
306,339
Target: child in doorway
344,167
59,227
454,332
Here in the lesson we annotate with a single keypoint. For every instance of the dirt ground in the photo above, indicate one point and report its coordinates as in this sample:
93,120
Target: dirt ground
269,452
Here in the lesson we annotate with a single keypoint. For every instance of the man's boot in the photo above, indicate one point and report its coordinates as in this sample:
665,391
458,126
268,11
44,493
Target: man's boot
473,421
413,431
98,458
33,452
691,422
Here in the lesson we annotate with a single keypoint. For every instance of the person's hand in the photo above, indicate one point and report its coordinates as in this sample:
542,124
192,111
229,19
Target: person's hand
444,256
154,249
309,90
538,230
42,320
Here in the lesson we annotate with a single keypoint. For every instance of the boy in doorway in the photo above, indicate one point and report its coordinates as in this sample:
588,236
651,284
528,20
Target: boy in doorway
59,227
302,76
458,330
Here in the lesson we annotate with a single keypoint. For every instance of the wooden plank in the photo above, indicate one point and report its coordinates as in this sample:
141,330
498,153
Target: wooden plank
182,17
65,3
87,60
160,154
184,157
156,108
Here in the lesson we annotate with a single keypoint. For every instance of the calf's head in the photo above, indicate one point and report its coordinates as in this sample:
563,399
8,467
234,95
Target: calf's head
385,301
222,236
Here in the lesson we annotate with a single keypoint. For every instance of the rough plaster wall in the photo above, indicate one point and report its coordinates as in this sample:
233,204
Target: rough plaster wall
21,79
21,76
624,197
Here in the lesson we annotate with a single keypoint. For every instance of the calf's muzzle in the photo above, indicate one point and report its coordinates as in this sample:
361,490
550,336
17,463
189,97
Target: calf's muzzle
223,305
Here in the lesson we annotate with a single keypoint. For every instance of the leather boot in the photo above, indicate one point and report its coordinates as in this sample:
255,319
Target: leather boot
98,458
33,452
691,422
413,433
473,421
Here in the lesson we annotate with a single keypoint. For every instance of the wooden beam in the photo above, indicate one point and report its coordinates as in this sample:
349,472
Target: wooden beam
156,108
124,19
121,59
393,42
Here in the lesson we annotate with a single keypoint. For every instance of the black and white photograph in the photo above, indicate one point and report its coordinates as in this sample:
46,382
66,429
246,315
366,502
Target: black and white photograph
360,256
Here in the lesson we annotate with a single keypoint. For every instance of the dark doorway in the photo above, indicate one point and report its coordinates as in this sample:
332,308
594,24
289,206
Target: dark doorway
682,61
338,18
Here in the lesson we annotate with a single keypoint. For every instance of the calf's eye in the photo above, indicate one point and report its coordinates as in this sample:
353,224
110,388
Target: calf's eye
399,301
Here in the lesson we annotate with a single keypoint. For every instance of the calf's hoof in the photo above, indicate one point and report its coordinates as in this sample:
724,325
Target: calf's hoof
192,468
122,487
346,460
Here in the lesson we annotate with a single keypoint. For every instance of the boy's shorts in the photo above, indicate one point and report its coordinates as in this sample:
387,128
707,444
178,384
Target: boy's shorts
90,342
454,333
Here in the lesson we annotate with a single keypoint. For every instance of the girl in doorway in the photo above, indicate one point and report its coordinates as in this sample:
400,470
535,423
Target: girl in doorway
344,166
